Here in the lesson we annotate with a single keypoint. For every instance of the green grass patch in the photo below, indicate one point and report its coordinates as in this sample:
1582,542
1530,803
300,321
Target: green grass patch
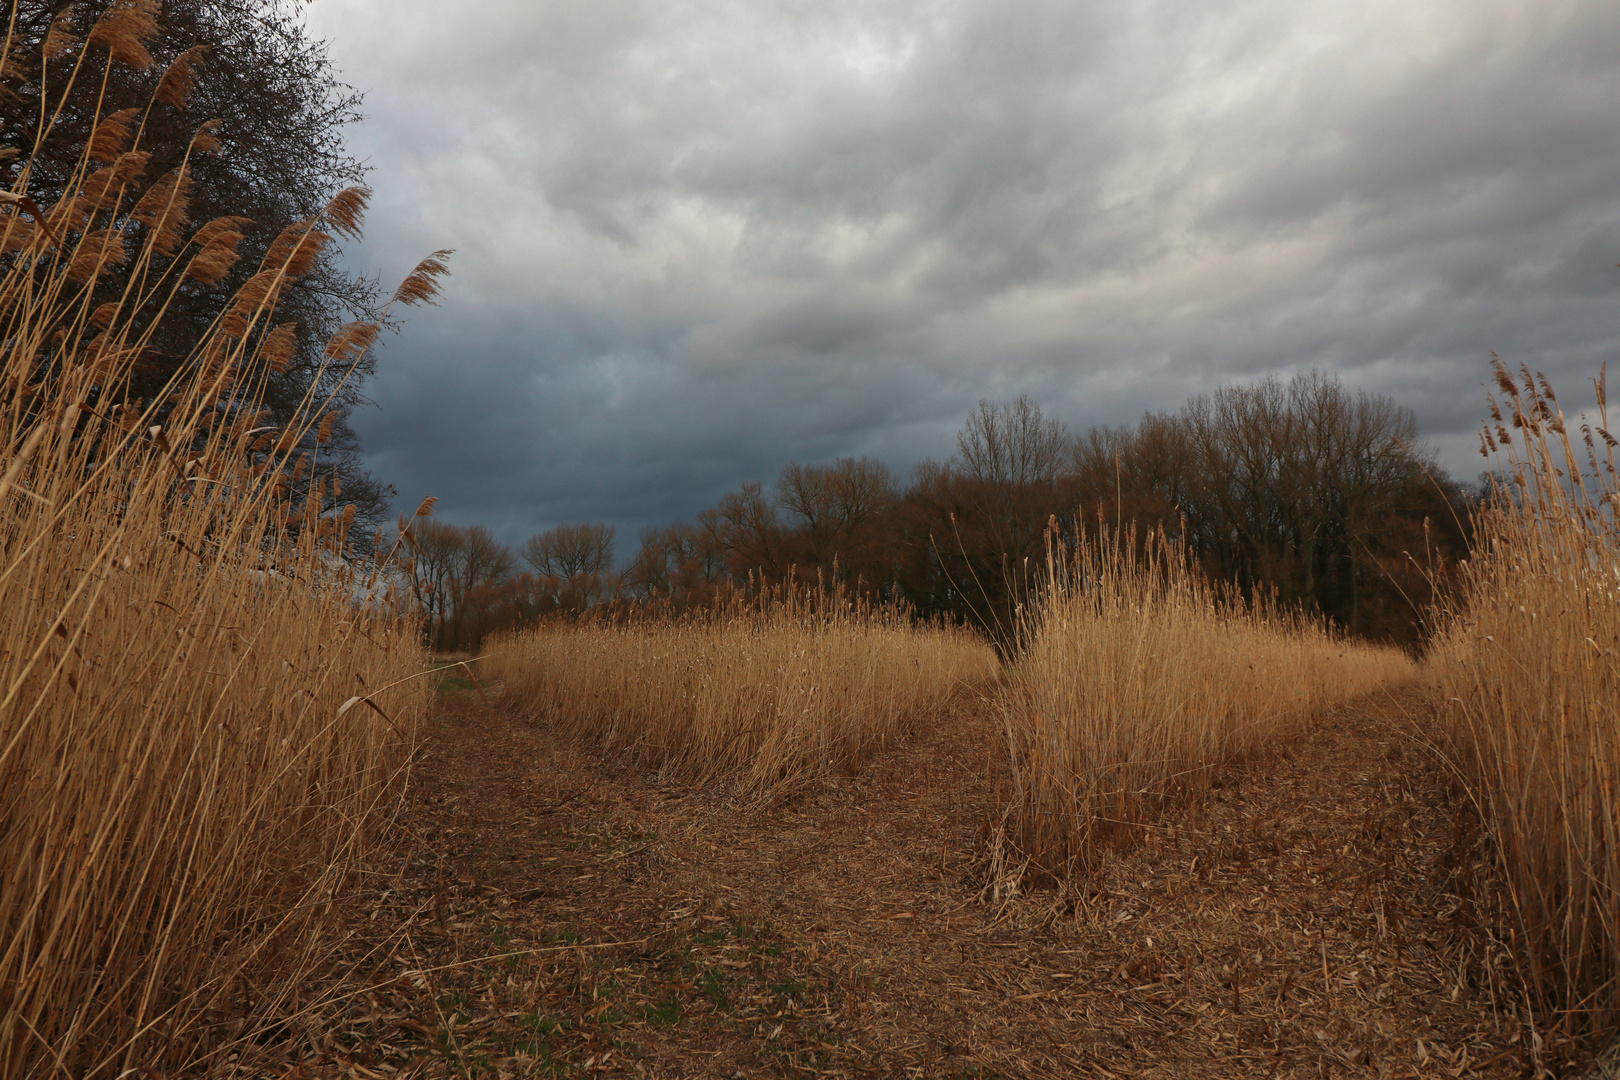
716,987
663,1013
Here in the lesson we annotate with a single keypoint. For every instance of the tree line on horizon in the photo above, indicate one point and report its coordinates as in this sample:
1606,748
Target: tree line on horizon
1326,498
1299,486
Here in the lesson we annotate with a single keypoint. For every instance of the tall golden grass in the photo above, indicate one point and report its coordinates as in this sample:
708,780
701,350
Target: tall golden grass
761,693
1138,681
1526,668
200,724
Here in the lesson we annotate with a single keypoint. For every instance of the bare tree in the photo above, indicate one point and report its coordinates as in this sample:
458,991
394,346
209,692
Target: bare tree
1287,483
1293,485
680,562
974,525
1012,445
432,545
1013,458
833,503
480,558
746,525
448,564
568,551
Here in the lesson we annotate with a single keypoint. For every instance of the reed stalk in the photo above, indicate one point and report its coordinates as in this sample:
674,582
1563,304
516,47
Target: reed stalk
205,707
1526,670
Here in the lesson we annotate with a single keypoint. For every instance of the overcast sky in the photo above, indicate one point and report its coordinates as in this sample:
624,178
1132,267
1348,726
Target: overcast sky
698,240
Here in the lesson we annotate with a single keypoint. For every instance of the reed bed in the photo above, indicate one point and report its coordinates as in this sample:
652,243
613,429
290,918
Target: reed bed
202,721
1138,680
1526,668
761,693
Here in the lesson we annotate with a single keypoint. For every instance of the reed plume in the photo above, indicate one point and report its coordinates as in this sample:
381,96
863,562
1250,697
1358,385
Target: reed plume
180,77
126,28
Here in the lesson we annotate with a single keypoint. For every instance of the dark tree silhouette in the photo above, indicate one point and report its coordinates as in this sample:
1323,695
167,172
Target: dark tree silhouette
251,106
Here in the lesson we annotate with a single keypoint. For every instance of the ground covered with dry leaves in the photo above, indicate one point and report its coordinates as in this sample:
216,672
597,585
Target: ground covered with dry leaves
546,912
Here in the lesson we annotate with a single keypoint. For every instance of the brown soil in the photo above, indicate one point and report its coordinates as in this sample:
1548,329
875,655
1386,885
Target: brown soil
549,912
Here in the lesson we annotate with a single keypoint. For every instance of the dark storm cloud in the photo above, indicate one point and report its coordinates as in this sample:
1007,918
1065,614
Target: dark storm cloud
699,240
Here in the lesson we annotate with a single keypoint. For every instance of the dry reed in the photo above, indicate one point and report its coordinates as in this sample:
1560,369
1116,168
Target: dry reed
200,724
762,694
1526,669
1137,682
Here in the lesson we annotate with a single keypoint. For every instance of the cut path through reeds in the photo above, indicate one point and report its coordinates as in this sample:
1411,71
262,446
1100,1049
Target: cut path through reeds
567,910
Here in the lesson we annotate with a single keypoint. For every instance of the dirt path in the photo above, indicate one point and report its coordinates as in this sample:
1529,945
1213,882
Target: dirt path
564,915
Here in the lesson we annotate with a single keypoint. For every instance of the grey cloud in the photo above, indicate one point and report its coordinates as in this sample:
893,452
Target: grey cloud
698,240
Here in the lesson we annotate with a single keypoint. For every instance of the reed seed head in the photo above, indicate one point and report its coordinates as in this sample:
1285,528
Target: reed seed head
1504,380
278,347
96,252
206,141
70,214
217,254
180,77
421,285
255,295
15,233
126,28
296,250
110,137
60,38
164,210
347,211
351,342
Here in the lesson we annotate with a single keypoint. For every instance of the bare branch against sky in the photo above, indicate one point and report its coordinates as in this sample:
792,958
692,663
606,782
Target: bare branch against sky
699,240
